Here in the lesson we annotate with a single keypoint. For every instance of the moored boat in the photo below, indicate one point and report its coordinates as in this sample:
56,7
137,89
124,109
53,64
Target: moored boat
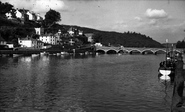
167,67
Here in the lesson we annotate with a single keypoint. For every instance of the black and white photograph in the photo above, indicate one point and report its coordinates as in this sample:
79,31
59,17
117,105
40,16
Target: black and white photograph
92,55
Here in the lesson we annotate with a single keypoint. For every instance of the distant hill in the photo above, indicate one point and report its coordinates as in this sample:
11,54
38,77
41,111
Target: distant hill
127,39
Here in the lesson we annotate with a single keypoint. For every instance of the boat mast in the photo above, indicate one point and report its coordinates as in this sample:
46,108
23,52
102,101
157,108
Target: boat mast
166,49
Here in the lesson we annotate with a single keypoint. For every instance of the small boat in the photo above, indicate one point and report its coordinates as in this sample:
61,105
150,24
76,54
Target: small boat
167,67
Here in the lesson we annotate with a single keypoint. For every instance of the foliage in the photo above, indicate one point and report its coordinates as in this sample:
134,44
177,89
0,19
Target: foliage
83,39
5,7
10,33
180,44
127,39
52,17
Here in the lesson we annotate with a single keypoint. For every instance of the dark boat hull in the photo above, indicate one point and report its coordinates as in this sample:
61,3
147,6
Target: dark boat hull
167,70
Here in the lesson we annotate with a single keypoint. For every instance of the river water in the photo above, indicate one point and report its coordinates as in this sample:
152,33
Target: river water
103,83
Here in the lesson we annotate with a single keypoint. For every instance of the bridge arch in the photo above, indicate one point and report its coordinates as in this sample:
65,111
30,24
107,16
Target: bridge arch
160,51
147,51
135,51
123,51
111,51
100,51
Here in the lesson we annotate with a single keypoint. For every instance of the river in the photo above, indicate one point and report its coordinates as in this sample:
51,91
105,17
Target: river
103,83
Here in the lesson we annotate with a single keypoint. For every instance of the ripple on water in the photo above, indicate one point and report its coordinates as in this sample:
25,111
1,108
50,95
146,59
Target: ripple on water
107,83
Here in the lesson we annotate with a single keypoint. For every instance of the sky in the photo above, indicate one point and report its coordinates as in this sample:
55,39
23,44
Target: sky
159,19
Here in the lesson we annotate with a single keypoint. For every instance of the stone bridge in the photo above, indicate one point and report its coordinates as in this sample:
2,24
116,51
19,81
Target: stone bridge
132,50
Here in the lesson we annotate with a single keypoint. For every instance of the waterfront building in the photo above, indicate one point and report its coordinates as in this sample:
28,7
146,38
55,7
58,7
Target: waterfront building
58,37
2,41
10,45
98,44
30,43
49,39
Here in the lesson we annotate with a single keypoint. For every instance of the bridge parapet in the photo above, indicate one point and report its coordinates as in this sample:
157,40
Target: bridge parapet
134,49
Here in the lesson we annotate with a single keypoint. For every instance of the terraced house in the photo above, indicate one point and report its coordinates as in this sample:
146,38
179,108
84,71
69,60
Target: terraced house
31,43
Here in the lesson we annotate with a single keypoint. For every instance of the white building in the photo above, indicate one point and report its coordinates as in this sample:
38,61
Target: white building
31,43
8,15
98,44
71,31
80,32
39,31
89,37
49,38
10,45
38,17
31,16
18,14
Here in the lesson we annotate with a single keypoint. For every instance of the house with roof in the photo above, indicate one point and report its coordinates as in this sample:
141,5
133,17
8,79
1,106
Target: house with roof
38,17
8,15
31,43
21,14
49,39
39,31
31,16
89,37
18,14
74,32
80,32
71,31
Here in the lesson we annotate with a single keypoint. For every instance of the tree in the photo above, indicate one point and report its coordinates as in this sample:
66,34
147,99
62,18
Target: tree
52,17
5,7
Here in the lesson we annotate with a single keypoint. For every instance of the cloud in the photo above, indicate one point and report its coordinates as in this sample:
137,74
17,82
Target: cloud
21,3
119,25
39,6
156,14
86,0
153,22
138,18
45,5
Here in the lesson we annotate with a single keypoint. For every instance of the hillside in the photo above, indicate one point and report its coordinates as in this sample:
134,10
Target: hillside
127,39
11,30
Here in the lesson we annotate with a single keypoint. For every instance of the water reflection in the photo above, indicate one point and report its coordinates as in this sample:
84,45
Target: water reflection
80,83
165,78
167,93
